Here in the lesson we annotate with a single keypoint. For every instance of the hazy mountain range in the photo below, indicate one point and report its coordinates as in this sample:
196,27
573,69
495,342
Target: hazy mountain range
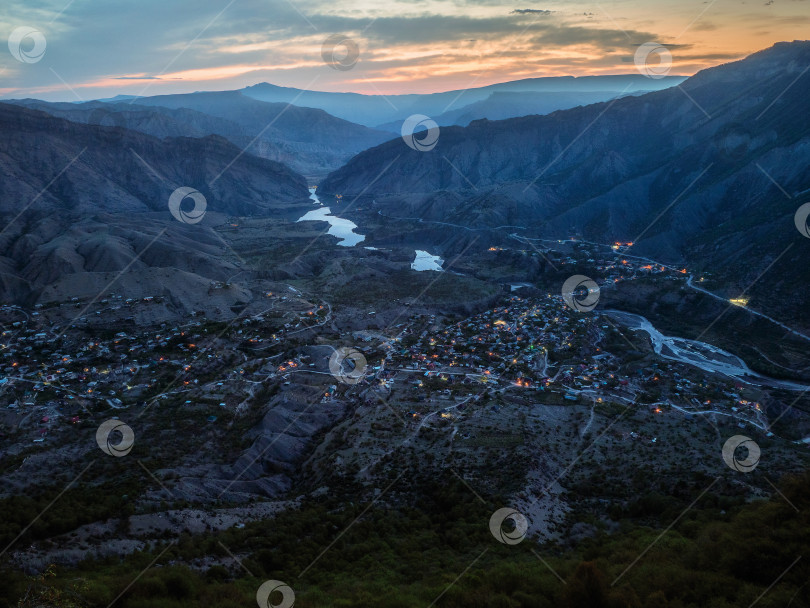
82,203
711,171
309,141
310,130
455,107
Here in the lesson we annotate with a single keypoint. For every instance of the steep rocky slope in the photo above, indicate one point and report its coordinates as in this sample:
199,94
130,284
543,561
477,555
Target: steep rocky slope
711,172
308,140
83,203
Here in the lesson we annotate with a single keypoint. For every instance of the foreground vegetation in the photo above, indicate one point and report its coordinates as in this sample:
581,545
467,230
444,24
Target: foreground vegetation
440,552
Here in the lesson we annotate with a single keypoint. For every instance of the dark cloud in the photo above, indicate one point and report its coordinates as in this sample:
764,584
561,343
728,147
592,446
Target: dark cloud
98,41
531,11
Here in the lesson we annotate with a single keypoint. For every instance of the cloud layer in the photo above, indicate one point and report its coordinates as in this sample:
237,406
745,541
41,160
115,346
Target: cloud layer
97,49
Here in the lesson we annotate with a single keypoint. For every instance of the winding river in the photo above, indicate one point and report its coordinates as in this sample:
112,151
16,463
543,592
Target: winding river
338,226
704,356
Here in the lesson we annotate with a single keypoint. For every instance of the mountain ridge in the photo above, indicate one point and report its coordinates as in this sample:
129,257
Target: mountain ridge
87,204
679,172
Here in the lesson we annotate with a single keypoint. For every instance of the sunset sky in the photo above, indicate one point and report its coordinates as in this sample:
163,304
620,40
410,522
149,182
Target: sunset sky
100,48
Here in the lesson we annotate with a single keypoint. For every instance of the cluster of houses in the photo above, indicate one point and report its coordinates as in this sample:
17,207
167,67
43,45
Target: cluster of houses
530,343
539,344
